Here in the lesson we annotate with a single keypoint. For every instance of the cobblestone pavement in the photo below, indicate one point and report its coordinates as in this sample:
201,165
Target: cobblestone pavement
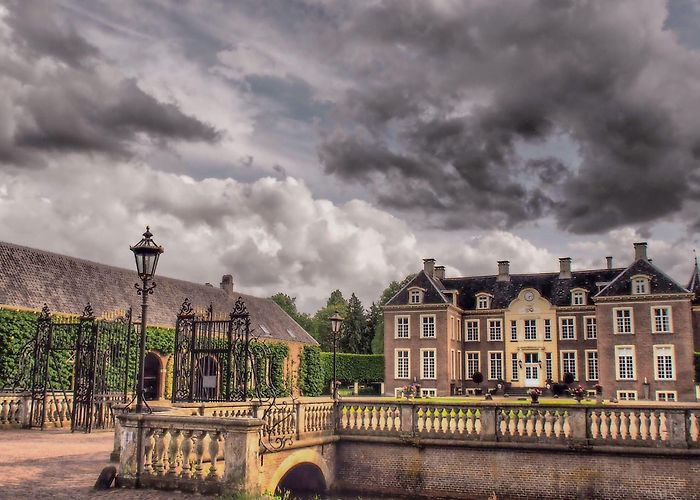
59,465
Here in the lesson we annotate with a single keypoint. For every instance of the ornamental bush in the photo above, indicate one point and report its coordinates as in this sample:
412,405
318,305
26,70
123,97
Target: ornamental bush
362,368
477,377
310,371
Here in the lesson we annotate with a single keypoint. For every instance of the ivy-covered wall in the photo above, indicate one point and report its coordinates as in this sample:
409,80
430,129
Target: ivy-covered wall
316,369
17,328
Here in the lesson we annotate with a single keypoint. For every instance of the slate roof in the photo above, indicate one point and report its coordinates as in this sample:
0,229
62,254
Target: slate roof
30,277
432,287
659,281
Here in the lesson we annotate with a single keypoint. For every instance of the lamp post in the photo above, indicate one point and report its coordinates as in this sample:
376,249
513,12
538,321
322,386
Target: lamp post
336,321
146,253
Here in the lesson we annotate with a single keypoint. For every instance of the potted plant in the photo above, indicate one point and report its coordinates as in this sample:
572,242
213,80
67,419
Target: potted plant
535,394
478,378
578,393
410,391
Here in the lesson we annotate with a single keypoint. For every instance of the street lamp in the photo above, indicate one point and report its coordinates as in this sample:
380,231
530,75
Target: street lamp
146,253
336,321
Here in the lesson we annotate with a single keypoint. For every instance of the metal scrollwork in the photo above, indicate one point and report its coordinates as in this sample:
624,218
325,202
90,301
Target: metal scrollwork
88,312
145,288
186,308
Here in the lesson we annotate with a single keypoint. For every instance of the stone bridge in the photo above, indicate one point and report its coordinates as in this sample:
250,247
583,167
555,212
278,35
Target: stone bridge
419,449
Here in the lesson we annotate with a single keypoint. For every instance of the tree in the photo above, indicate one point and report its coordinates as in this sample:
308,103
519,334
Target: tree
288,305
386,296
322,324
354,333
374,318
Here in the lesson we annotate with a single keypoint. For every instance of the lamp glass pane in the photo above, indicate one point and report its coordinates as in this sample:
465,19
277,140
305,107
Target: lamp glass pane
139,264
148,264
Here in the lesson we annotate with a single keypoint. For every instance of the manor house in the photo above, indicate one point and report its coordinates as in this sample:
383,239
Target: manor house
631,330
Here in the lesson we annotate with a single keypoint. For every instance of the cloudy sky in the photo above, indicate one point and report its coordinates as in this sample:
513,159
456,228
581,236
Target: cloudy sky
307,145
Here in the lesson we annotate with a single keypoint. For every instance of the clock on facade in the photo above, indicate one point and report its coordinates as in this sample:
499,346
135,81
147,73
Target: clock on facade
529,296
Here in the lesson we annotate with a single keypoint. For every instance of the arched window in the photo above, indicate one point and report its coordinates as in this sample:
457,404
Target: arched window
578,297
483,301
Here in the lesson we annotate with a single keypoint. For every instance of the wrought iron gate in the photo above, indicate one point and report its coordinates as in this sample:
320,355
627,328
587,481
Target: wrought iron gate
95,360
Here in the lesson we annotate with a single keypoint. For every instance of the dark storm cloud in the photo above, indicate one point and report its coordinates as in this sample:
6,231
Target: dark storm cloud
71,105
444,98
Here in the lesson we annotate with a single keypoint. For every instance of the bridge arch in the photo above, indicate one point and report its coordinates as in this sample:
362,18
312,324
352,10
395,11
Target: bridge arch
303,469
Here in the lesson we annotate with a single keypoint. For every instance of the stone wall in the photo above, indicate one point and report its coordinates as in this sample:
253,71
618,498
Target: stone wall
471,472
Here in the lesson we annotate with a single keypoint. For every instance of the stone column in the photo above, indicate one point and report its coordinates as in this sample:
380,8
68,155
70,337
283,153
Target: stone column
407,414
676,427
242,454
488,423
578,421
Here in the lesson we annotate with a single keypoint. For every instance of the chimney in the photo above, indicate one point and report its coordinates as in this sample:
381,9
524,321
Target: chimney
227,284
609,260
429,267
640,251
209,285
440,272
565,268
503,270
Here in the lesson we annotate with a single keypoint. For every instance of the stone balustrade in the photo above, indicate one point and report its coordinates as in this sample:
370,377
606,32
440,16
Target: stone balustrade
12,409
618,425
15,410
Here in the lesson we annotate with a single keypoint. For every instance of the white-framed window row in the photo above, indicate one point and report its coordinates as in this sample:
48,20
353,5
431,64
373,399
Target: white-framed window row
548,329
471,330
428,393
664,362
483,301
472,364
530,329
567,328
623,318
428,364
495,365
578,297
590,325
568,363
402,327
495,330
427,326
661,319
592,366
667,396
402,360
627,395
625,362
640,285
415,295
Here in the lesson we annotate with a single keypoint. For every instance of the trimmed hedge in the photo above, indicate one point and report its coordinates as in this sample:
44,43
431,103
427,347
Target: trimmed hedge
363,368
17,328
310,371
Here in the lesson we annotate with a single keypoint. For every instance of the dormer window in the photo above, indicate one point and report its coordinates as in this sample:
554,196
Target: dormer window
578,298
640,285
415,296
483,301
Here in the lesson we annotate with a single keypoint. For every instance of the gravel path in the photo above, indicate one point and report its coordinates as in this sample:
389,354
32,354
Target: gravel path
60,465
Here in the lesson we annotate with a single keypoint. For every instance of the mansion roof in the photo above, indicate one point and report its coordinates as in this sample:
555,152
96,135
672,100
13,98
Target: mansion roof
31,278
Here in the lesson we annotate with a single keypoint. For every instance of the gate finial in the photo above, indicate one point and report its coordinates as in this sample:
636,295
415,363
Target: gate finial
45,313
186,308
88,313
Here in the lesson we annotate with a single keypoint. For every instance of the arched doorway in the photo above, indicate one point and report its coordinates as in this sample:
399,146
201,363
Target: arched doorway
304,479
151,376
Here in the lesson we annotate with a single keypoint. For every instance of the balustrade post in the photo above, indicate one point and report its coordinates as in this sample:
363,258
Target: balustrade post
128,428
26,404
578,423
408,415
301,419
489,421
676,425
242,456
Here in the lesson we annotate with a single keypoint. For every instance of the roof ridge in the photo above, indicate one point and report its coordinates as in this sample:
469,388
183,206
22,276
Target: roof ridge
552,273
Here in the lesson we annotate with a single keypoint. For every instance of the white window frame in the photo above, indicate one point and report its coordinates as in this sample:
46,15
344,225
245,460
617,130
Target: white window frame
483,301
453,364
427,392
396,327
396,364
576,295
655,349
514,367
459,328
666,394
468,375
513,330
547,329
561,363
635,396
453,333
422,363
422,326
616,325
500,327
669,312
548,366
617,362
587,321
561,327
534,326
415,293
588,355
467,324
640,279
490,365
459,365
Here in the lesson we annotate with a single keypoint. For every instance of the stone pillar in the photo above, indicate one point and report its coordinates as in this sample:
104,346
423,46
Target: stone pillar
301,415
242,454
488,423
126,433
356,389
381,388
116,448
407,413
676,427
578,421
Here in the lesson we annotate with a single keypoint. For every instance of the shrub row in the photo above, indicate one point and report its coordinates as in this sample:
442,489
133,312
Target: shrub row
316,369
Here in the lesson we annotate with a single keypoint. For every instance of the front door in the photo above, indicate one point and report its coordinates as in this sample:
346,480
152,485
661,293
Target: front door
532,369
